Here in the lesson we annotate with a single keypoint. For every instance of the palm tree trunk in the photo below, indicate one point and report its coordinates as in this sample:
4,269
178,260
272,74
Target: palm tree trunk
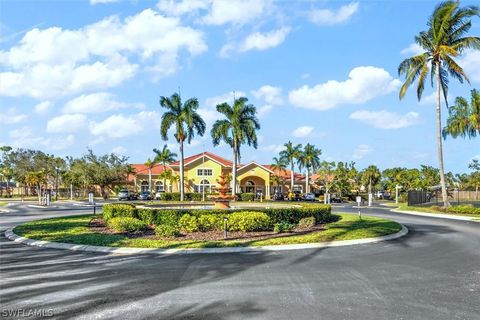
164,179
291,176
234,170
150,180
439,141
307,184
182,177
370,185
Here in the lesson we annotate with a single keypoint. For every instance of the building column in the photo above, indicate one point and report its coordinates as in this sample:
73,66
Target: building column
267,191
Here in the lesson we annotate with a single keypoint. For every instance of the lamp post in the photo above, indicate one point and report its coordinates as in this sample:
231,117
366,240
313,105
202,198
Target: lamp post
203,175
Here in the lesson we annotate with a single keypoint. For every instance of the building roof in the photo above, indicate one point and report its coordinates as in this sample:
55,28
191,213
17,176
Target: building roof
222,161
143,169
242,166
285,174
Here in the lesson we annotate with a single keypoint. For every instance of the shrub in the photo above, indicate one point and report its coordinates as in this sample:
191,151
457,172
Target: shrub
210,222
321,213
165,230
188,223
283,227
170,196
126,224
306,222
195,196
464,209
147,215
248,221
247,196
119,210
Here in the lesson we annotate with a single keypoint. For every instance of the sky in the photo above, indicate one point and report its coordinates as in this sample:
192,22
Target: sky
88,74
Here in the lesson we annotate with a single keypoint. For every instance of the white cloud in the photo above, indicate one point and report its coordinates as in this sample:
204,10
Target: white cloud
24,138
275,148
10,116
270,94
67,123
102,1
96,103
264,110
257,41
302,131
364,84
330,17
119,125
42,107
385,119
237,12
470,62
361,151
413,49
208,110
120,150
178,8
55,62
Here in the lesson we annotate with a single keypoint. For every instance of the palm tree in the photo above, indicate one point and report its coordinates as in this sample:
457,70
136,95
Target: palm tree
442,42
149,164
164,156
239,127
326,173
278,166
186,121
464,118
310,160
291,155
371,176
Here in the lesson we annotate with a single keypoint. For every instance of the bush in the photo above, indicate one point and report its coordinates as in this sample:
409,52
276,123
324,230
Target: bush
306,222
147,215
248,221
170,196
210,222
167,231
126,224
321,213
188,223
283,227
119,210
197,196
464,209
247,196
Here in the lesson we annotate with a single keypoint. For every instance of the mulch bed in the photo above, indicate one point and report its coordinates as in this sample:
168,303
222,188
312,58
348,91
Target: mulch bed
98,225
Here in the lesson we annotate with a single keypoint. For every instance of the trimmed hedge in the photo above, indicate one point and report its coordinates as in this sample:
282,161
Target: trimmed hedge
214,221
126,224
188,223
463,209
283,227
175,196
247,196
166,231
248,221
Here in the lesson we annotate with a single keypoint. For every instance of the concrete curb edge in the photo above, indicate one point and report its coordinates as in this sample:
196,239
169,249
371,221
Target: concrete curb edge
436,215
121,250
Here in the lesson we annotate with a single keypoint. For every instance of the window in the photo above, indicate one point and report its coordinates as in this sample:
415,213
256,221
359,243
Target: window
159,186
203,184
204,172
144,186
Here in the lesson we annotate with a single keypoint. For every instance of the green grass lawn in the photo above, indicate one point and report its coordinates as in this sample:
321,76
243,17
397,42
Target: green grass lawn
405,207
2,204
75,230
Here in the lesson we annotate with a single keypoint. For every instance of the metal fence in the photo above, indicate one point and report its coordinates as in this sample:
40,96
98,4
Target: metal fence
455,197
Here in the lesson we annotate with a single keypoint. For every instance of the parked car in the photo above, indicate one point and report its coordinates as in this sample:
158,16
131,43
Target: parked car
335,199
145,196
158,195
278,196
127,195
309,196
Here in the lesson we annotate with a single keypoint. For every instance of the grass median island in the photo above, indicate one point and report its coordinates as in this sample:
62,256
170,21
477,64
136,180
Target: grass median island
78,230
459,210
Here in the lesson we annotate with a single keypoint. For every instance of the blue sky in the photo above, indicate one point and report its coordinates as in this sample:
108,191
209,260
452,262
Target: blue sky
79,74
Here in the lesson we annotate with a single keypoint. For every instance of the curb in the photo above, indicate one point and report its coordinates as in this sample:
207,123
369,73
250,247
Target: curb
436,215
87,248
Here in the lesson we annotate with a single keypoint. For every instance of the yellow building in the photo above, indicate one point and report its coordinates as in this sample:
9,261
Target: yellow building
204,169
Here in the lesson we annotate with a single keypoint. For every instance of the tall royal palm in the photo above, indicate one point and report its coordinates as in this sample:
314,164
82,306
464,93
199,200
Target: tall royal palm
291,155
310,160
239,127
443,41
164,157
186,122
464,118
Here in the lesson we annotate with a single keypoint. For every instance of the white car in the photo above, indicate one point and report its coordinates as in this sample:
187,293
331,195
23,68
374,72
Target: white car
158,195
309,197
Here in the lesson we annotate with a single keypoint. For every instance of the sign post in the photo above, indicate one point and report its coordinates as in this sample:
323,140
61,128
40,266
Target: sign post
359,202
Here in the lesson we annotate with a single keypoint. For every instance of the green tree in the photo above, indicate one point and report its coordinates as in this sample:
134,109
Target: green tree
464,118
371,176
291,154
443,41
326,176
475,175
310,160
149,164
186,122
37,179
239,127
278,166
164,157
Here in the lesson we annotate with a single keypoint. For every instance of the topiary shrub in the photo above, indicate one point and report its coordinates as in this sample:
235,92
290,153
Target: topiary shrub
247,196
119,210
126,224
283,227
167,231
248,221
188,223
210,222
306,222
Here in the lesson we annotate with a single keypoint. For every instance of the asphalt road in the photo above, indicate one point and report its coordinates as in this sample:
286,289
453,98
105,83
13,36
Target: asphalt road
432,273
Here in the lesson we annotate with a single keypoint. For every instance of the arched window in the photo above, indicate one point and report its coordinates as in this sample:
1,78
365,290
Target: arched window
159,187
250,186
144,186
204,184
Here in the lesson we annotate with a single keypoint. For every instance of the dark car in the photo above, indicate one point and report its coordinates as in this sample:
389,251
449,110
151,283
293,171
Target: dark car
335,199
145,196
127,195
278,196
